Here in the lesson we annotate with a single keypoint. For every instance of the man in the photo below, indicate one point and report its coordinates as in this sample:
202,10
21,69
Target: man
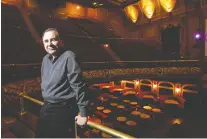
63,90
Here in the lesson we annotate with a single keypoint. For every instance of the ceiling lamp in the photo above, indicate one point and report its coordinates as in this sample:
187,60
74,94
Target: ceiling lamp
106,45
148,7
168,5
132,12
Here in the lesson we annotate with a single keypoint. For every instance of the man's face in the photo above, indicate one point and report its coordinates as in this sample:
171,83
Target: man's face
51,42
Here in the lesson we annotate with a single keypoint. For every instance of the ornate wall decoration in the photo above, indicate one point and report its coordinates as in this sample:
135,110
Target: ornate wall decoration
132,71
94,74
179,70
144,72
195,70
159,71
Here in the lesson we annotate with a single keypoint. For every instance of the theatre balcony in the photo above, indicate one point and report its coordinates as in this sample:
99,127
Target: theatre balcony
144,62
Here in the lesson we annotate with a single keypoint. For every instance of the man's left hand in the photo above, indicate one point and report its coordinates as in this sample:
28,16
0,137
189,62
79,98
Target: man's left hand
81,120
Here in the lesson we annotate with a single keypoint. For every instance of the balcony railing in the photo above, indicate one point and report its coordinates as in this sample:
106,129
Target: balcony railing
90,123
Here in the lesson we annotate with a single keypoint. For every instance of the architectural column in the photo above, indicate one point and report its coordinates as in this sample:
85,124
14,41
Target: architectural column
23,10
203,27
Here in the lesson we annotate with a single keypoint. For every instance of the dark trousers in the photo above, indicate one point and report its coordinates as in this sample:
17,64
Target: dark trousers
57,120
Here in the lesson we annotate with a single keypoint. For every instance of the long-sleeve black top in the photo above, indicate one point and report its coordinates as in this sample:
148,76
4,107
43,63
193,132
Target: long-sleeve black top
62,80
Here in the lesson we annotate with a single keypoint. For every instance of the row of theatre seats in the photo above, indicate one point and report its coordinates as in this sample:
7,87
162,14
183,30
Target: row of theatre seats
141,107
158,91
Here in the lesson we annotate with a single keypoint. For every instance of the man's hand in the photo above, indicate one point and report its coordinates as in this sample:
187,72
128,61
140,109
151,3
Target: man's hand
81,120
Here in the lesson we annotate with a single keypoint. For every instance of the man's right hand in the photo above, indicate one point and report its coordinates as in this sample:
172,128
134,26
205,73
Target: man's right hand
81,121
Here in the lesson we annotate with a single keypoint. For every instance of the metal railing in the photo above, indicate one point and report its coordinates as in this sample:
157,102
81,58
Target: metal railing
89,123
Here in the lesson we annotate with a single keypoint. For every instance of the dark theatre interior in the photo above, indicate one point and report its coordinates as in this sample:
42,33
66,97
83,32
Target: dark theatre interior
144,62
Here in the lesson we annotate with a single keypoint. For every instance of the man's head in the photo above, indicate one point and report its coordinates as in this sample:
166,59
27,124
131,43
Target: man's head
51,41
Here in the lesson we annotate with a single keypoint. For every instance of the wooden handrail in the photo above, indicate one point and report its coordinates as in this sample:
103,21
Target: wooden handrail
32,99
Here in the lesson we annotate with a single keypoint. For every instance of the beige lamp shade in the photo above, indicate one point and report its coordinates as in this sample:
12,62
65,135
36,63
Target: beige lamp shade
168,5
132,12
148,7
